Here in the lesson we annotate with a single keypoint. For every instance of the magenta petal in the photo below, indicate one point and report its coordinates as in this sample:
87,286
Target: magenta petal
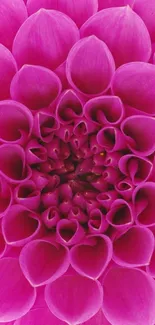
144,203
74,298
8,69
13,303
97,223
104,110
146,10
130,299
79,11
35,86
6,197
96,248
34,257
114,3
134,84
12,164
125,188
50,217
48,46
132,44
120,215
35,152
39,316
28,195
69,232
98,319
45,124
151,267
134,128
20,225
90,66
111,139
16,122
12,16
69,107
139,238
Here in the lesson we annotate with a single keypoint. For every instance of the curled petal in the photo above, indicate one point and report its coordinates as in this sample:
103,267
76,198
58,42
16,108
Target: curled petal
12,164
142,239
134,84
3,246
120,215
96,248
5,197
65,133
14,303
103,4
8,68
51,217
69,232
20,225
97,223
107,198
130,299
90,66
104,110
144,203
39,179
35,152
40,316
45,125
70,307
69,107
77,213
125,188
151,267
111,139
146,10
46,46
134,128
28,195
16,122
35,86
139,169
12,15
83,127
132,44
33,261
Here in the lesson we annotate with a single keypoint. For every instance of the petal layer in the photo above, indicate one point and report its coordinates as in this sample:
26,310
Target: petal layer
39,316
146,10
8,69
114,3
45,39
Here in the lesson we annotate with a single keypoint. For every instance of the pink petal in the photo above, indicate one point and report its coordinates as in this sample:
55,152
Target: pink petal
45,124
96,248
107,198
79,11
48,46
27,195
74,298
69,232
51,217
69,107
139,238
130,299
132,44
98,319
39,316
33,261
12,15
111,139
120,215
146,10
139,127
35,152
151,267
144,203
114,3
20,225
13,303
97,223
90,66
8,69
125,188
104,110
138,168
35,86
134,84
5,197
12,164
3,246
16,122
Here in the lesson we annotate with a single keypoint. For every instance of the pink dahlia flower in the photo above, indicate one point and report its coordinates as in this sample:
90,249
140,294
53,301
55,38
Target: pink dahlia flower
77,162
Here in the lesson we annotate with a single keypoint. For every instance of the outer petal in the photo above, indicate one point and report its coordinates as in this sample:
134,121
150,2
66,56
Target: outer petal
16,122
98,319
43,261
114,3
96,248
90,66
132,44
16,295
46,46
35,86
146,10
79,11
8,68
5,197
104,110
20,225
151,267
68,300
138,127
134,84
139,238
12,15
39,316
27,195
144,203
69,107
130,299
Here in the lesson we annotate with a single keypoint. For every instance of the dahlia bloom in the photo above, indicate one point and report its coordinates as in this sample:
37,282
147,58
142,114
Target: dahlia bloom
77,162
